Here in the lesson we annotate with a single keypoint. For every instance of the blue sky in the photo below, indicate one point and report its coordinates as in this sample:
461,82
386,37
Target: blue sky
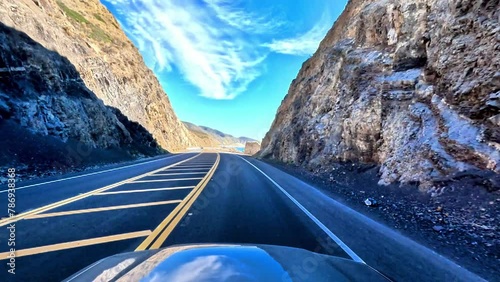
226,64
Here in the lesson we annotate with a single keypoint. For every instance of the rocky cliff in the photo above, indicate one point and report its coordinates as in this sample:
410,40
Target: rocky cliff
49,119
411,85
109,65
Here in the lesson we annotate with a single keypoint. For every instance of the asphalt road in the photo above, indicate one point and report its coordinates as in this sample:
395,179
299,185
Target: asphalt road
63,225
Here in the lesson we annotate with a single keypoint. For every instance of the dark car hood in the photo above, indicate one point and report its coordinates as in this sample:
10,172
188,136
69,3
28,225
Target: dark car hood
242,263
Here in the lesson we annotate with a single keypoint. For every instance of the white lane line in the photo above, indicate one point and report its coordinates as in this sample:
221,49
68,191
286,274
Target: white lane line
88,174
164,180
337,240
144,190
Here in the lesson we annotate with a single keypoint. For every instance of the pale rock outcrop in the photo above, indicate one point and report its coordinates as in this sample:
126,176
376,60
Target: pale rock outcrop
411,85
251,147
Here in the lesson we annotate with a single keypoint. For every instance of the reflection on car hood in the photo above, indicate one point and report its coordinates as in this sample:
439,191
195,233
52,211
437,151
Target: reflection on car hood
242,263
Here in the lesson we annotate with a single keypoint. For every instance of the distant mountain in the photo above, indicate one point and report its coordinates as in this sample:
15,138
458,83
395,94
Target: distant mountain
210,137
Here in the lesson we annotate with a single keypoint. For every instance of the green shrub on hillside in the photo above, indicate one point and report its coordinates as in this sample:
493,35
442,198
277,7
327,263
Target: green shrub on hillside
96,32
72,13
98,17
99,34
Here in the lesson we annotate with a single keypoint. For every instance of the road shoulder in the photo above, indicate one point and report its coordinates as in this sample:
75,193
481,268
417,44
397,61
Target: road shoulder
330,200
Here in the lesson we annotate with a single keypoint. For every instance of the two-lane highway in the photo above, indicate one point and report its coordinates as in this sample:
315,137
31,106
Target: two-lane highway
57,238
38,193
200,198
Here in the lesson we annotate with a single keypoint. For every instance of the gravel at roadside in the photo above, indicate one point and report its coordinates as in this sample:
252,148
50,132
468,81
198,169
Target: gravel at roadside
458,219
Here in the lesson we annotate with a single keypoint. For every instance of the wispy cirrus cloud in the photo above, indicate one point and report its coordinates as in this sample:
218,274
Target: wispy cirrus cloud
303,44
211,52
214,44
229,12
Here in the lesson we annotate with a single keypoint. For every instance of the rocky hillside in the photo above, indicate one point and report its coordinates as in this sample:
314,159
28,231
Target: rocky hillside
109,65
252,147
413,86
49,119
209,137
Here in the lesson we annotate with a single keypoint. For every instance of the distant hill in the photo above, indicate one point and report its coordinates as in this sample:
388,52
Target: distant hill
210,137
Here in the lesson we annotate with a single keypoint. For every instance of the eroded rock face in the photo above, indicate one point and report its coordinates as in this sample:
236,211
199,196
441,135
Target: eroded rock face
411,85
41,91
110,66
251,147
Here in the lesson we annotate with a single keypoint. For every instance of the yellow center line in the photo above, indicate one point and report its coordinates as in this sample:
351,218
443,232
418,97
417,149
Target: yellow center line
42,215
84,195
178,173
76,244
164,180
193,166
144,190
179,169
170,227
164,229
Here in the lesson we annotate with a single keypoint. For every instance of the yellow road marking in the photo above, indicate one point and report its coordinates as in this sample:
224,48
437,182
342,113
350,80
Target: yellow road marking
110,208
178,173
76,244
84,195
144,190
169,223
188,165
165,180
163,236
179,169
192,167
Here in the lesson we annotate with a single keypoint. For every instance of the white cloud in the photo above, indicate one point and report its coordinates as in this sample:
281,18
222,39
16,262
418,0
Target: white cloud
214,44
228,12
303,44
209,50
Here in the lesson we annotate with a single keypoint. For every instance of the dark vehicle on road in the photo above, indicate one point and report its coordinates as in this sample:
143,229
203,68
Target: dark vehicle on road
224,263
